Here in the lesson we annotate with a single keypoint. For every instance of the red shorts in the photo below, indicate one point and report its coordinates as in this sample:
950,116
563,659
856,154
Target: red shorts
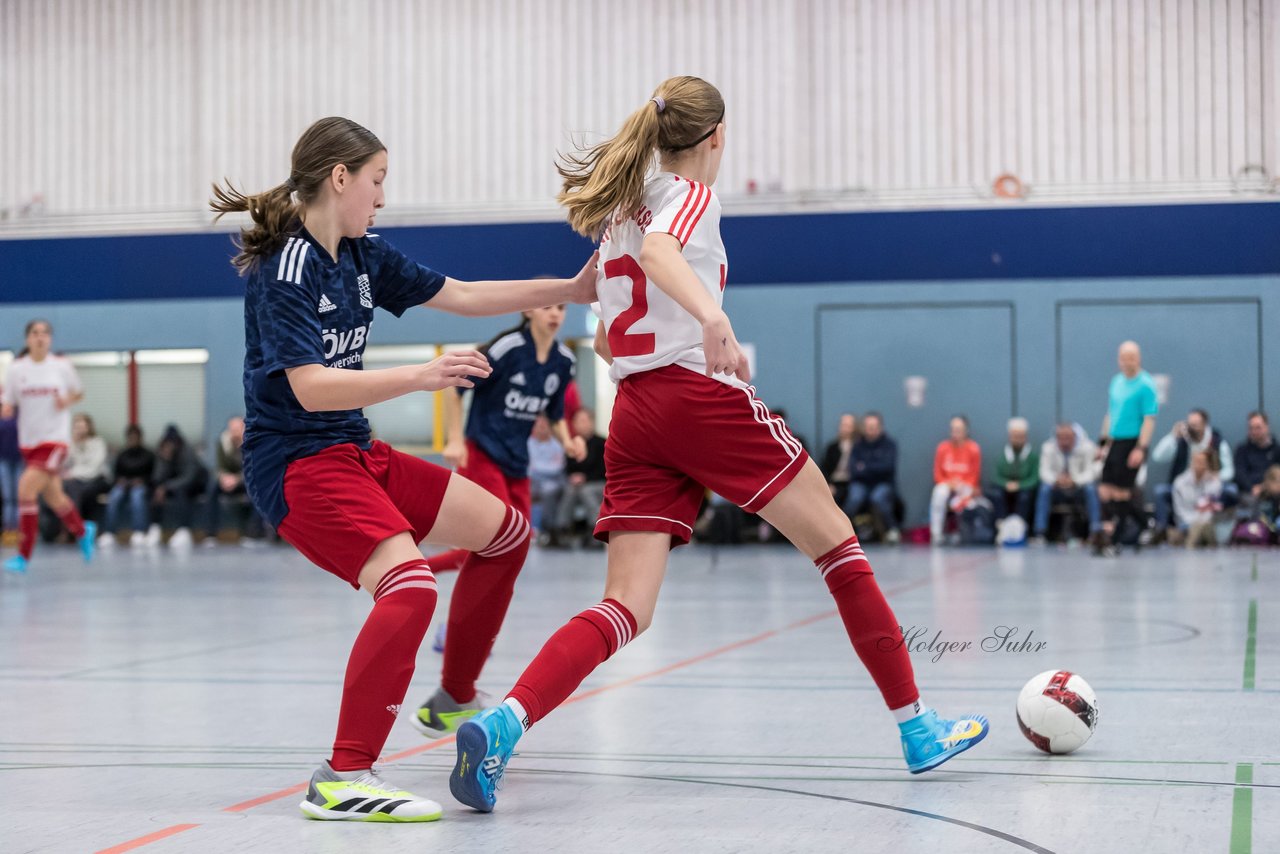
344,501
483,471
675,432
47,457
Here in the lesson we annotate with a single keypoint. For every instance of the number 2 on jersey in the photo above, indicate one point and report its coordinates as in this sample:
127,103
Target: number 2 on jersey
620,342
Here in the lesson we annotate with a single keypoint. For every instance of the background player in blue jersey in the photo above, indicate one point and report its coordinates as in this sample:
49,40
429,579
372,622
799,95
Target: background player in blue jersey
353,506
531,371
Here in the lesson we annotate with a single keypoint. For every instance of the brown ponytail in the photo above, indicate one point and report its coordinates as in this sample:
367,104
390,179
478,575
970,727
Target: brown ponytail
610,176
327,143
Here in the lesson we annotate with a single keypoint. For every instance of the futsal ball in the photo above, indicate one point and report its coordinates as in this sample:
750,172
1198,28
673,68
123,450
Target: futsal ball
1057,711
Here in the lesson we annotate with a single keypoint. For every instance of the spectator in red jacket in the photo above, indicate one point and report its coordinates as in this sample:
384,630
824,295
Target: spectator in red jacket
957,473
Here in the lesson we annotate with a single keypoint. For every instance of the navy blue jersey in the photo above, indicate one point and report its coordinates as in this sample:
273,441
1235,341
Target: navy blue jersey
505,404
302,307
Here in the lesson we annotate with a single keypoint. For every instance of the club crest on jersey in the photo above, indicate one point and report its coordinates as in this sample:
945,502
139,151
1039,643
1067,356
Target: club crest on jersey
553,383
366,295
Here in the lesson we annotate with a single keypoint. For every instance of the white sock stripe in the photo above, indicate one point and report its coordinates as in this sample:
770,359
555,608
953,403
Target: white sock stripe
517,529
418,570
613,621
848,550
849,559
428,584
509,534
405,576
622,619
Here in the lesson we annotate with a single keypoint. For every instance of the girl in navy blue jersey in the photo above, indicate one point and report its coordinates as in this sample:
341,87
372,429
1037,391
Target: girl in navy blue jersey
354,506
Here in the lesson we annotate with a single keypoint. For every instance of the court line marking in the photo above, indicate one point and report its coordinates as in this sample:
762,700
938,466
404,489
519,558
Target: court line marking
989,831
414,751
1242,811
1251,646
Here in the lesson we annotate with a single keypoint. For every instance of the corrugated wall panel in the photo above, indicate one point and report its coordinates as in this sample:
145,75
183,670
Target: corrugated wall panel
128,106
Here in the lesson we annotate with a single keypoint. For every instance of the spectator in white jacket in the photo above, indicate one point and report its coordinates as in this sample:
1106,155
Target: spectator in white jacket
1186,438
85,472
1067,474
1197,499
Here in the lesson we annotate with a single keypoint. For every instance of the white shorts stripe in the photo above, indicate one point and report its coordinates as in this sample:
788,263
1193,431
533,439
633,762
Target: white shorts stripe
663,518
770,483
776,427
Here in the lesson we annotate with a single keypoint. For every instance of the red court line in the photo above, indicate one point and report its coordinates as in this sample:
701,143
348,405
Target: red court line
433,745
148,839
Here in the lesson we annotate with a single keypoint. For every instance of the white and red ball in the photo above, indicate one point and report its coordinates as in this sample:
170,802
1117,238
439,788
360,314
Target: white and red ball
1057,711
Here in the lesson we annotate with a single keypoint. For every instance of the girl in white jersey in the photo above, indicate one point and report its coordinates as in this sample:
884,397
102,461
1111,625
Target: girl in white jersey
43,388
685,420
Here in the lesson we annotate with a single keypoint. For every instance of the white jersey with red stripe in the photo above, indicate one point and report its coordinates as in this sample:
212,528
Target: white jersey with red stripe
646,328
35,387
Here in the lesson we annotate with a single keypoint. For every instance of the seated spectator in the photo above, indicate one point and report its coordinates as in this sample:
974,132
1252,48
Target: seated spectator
1253,459
874,477
1269,500
177,479
1187,437
131,479
10,470
1067,475
957,473
1197,500
584,481
835,459
546,478
85,474
1017,474
228,484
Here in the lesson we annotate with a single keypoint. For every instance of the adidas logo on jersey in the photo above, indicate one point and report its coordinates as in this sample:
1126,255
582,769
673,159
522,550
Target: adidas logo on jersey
518,379
326,305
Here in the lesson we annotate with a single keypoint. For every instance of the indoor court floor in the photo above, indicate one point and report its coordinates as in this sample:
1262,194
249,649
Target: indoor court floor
171,702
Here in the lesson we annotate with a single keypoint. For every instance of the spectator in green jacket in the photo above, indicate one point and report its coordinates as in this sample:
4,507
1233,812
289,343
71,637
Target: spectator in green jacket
1017,475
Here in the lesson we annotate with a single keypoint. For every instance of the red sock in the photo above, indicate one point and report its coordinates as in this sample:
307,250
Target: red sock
381,664
869,621
479,605
28,525
71,518
449,561
569,656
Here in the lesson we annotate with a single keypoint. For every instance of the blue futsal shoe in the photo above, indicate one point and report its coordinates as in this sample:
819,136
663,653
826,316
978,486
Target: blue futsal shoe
928,740
485,744
16,564
89,542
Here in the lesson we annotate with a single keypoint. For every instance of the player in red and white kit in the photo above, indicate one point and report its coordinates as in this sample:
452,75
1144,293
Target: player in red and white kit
43,388
685,419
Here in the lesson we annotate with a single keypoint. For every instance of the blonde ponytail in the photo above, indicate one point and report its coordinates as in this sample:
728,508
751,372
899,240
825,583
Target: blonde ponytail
609,177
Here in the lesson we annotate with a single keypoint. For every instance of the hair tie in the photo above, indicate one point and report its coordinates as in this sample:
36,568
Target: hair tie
660,101
290,184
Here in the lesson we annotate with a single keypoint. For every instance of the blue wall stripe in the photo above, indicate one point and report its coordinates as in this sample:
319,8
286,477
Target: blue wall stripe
1022,243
